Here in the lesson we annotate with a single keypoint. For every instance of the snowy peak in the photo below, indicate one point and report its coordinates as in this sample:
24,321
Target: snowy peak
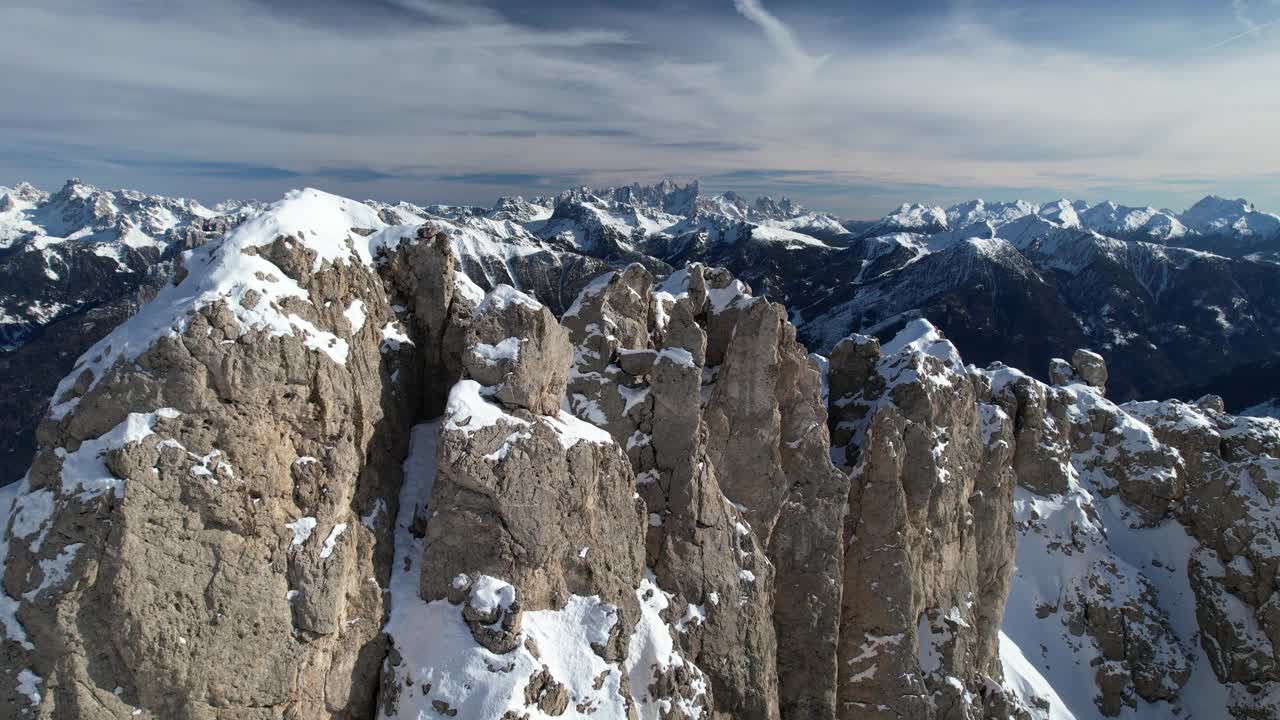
1119,221
979,211
687,201
914,216
1213,223
22,194
666,196
1063,212
781,209
1218,216
517,209
1216,206
83,212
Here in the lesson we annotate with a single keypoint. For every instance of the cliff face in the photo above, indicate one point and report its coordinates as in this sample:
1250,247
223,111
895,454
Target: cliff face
326,476
929,539
1146,549
204,531
721,414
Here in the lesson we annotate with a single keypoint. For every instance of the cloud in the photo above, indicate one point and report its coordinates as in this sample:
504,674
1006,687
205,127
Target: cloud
437,101
1240,8
1253,29
778,34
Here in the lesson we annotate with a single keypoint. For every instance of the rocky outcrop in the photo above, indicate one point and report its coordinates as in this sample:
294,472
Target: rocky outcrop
1167,578
534,552
720,410
1145,541
204,532
928,540
1230,480
242,508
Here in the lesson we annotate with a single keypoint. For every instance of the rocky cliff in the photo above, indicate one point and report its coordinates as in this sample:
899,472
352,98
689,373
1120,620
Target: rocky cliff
325,475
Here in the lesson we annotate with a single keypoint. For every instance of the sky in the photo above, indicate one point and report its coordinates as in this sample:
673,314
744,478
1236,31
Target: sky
852,107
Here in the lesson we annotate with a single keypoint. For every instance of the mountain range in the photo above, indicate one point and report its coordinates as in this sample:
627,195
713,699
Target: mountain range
333,465
1179,303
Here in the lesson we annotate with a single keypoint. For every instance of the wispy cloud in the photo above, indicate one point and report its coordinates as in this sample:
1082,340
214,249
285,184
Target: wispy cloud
780,36
444,101
1241,11
1240,8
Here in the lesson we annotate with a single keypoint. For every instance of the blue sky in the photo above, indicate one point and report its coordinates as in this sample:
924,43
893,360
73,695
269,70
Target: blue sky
851,107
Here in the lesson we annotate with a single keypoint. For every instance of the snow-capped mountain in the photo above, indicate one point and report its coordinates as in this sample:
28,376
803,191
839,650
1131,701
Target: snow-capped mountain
1011,281
1220,216
73,265
56,246
1015,281
426,497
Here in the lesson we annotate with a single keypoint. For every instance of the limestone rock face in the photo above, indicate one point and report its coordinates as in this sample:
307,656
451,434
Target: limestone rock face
697,544
1167,525
720,410
204,532
533,589
1061,372
1091,368
1232,486
1042,434
928,540
552,495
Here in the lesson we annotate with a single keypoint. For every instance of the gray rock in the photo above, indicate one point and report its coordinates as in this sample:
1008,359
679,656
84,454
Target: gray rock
1061,372
1090,367
929,529
637,362
214,564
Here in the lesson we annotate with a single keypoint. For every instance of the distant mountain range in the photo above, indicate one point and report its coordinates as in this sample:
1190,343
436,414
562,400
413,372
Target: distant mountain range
1175,302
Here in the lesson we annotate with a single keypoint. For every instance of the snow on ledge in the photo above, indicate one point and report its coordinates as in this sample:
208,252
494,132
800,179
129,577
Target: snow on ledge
468,411
504,296
231,270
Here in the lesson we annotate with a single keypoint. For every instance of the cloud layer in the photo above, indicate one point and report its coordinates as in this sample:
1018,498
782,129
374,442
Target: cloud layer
431,99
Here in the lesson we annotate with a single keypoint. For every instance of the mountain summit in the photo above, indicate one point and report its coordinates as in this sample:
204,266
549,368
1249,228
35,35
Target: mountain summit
336,468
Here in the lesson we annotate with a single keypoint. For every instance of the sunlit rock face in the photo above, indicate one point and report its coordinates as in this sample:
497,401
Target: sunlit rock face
324,474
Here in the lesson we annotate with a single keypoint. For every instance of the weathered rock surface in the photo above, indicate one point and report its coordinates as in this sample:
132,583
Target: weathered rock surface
928,540
1156,551
204,531
534,552
1090,367
726,430
239,510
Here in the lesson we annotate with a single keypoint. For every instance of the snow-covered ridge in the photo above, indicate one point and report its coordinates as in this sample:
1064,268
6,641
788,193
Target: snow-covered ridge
334,229
1145,531
440,655
81,212
1212,216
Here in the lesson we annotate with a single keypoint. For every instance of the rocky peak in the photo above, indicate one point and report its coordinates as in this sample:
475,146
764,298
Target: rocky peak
1149,586
667,196
669,369
190,488
326,475
784,208
22,193
929,538
1215,215
916,217
519,210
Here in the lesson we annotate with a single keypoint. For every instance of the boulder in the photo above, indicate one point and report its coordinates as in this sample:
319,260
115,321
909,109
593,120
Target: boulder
1090,367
